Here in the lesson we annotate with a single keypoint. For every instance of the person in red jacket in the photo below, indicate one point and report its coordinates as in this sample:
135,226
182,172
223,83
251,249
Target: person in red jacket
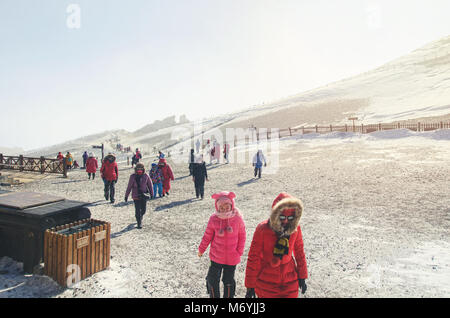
91,166
60,157
272,271
110,174
167,175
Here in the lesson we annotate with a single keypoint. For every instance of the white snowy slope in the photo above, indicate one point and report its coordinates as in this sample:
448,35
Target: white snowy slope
413,86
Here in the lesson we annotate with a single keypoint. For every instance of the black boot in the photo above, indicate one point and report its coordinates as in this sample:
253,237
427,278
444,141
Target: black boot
139,223
139,219
228,290
213,290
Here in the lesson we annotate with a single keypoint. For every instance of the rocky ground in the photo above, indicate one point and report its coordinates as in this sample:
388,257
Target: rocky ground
376,223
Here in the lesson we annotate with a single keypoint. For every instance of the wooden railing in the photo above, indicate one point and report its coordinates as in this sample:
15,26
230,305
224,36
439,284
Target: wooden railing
362,128
254,134
42,165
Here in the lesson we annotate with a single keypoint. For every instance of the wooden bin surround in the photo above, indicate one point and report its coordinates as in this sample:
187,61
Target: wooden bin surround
77,250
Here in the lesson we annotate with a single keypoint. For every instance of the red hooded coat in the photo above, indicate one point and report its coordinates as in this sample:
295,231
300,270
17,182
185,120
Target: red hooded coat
91,165
109,169
266,273
167,174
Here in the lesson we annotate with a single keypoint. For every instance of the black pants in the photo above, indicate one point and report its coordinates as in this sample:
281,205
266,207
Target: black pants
140,207
213,280
258,172
199,189
93,175
109,190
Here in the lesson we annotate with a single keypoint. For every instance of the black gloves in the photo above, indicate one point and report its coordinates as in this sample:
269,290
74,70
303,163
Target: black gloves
302,285
126,199
250,293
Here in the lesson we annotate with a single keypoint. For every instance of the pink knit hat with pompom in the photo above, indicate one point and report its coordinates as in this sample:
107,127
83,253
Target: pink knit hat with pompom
224,196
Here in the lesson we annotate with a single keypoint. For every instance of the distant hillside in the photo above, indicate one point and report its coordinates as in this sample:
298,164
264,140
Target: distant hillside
11,151
161,124
81,144
416,85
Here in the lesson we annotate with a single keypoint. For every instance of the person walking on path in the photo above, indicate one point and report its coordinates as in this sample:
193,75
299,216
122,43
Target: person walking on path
167,175
217,152
60,157
139,184
110,174
258,160
69,160
136,157
191,162
226,234
156,177
276,263
85,158
91,166
197,146
199,175
226,152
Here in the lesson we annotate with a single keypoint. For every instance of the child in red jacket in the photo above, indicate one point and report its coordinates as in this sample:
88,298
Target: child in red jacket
226,234
272,271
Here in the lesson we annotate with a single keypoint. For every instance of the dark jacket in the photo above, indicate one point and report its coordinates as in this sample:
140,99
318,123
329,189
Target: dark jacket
199,173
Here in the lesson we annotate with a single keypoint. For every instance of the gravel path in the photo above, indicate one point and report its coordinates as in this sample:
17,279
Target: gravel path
376,224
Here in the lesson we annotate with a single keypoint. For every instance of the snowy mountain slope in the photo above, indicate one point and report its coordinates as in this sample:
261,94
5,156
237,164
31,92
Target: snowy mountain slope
412,86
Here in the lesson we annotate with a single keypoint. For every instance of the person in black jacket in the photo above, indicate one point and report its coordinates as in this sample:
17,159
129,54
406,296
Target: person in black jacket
199,175
191,162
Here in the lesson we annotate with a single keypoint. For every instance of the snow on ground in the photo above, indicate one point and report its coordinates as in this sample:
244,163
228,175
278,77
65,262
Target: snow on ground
376,221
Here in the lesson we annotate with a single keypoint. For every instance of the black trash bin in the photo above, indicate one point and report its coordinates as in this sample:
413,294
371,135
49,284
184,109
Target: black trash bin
24,217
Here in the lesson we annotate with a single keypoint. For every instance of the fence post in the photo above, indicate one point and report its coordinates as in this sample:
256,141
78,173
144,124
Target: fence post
331,128
346,128
379,126
362,128
418,126
64,168
303,130
398,125
20,162
42,160
128,161
441,125
268,134
1,161
290,133
317,129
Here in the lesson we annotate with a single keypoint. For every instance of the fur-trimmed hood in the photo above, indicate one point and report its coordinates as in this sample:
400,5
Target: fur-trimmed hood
285,201
110,157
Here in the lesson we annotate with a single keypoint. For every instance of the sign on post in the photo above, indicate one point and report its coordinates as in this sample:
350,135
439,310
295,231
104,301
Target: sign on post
99,147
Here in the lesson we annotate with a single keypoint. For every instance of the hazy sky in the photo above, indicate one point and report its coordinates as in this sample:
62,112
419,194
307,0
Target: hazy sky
70,71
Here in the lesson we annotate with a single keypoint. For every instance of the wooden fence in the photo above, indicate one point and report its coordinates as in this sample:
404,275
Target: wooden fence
253,134
42,165
364,129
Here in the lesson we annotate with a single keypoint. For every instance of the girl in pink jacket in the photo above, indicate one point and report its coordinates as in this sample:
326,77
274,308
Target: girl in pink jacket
226,234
